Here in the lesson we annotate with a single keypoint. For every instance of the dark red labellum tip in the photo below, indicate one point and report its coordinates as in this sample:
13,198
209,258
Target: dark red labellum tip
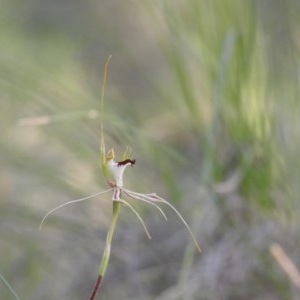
126,161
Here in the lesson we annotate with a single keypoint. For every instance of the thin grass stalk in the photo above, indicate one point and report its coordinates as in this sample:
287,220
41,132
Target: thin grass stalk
12,291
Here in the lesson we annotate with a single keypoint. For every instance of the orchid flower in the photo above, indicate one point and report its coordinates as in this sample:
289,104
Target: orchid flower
113,172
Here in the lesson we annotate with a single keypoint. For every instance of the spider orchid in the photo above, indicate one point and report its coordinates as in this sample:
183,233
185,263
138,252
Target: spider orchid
113,172
117,169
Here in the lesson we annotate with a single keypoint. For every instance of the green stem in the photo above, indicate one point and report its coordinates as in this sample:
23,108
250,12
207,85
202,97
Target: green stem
106,253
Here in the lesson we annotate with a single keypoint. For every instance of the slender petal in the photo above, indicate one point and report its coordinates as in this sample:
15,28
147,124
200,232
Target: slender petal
70,202
154,197
184,222
149,196
131,195
137,214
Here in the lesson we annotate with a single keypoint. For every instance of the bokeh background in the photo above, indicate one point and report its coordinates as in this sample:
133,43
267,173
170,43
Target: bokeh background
207,95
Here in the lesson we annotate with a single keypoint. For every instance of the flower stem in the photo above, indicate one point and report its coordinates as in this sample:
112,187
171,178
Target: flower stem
106,253
96,287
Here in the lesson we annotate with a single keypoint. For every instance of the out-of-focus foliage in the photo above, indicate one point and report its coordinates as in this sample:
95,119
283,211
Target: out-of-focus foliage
207,95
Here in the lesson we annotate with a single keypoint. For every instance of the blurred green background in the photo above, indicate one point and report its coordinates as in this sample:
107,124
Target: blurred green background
207,95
